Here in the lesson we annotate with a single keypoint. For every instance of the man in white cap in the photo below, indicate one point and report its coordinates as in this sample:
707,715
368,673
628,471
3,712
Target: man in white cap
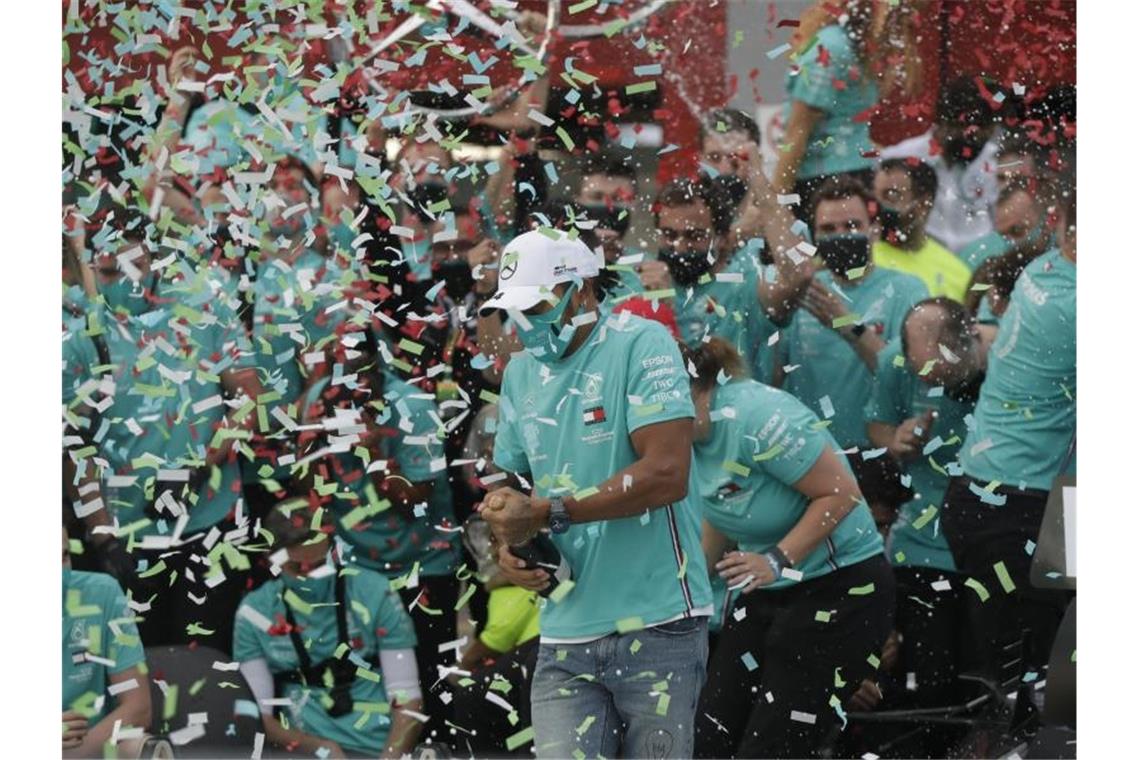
595,420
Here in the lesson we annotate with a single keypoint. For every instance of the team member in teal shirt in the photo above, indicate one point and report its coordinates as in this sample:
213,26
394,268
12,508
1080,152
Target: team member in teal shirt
1019,220
917,412
773,481
379,465
594,417
103,662
155,410
334,641
837,66
851,309
718,291
1024,435
294,294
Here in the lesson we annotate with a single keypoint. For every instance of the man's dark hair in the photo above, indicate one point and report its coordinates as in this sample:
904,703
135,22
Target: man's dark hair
954,333
291,523
837,187
961,103
610,165
687,192
724,120
923,178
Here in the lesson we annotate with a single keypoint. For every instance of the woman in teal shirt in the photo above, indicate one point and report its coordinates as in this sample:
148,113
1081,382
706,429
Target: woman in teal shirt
817,594
837,75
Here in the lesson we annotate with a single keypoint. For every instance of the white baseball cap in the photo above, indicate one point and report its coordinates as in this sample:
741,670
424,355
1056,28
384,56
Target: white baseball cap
534,262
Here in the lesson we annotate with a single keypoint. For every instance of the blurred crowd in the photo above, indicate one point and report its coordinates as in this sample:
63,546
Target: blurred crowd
836,398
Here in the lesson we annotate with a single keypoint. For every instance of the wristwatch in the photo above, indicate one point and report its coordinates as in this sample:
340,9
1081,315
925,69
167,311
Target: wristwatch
559,517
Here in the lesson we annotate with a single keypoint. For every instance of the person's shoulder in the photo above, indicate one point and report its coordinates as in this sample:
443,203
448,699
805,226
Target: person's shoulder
95,584
901,282
760,404
629,331
368,585
835,39
262,598
1050,268
944,256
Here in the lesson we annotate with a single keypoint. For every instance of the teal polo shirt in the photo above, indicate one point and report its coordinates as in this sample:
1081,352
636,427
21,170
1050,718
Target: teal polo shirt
567,425
762,442
100,639
897,394
827,375
1026,414
375,619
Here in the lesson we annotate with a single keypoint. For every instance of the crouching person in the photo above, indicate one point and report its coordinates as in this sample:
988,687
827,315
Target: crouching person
328,644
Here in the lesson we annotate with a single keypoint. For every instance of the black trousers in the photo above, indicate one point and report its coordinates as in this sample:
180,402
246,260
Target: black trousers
934,648
487,721
437,592
980,536
777,704
176,619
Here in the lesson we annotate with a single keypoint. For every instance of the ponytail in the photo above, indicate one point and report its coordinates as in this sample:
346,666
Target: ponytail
710,360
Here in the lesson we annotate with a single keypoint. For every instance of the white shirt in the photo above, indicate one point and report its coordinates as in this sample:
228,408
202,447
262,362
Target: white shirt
961,212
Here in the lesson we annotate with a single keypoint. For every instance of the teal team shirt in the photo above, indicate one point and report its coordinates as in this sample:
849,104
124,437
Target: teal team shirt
1025,418
568,425
167,403
100,640
375,620
382,538
916,538
829,76
826,374
763,441
727,305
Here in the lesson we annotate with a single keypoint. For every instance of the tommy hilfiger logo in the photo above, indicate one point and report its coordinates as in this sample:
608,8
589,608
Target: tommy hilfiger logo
594,415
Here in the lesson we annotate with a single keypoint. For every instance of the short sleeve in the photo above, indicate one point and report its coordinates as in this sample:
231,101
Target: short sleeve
393,624
415,457
125,646
886,402
508,612
247,643
789,444
508,453
657,387
821,65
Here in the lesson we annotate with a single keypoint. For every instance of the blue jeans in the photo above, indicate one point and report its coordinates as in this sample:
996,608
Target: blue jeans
624,695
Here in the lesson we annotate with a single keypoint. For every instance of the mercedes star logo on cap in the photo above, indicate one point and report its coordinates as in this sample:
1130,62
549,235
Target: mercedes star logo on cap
510,265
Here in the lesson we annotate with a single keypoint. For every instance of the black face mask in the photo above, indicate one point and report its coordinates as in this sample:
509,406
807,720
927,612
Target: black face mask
890,221
456,275
424,195
686,267
732,186
967,392
962,150
844,252
606,217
